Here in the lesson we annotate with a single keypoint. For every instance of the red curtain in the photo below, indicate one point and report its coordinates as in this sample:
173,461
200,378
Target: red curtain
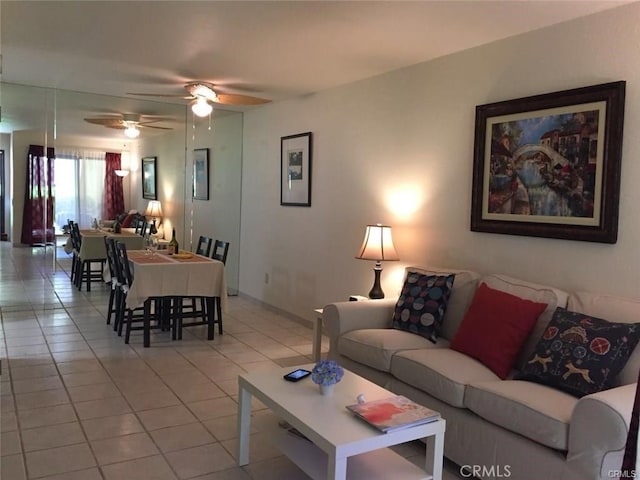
37,215
113,204
631,449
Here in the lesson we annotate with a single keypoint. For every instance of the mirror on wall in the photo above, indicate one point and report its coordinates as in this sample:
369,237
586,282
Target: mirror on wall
56,119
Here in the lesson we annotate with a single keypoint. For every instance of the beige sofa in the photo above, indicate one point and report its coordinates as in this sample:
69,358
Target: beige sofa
495,428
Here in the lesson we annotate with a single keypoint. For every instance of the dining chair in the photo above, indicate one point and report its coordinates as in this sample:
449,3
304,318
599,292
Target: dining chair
85,270
75,244
137,314
204,246
146,229
220,251
112,309
139,226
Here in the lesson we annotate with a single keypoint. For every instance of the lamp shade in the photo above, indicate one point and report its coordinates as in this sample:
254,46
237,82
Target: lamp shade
154,209
377,244
122,173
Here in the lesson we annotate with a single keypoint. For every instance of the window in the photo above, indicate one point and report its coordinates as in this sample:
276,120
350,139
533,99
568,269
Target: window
79,186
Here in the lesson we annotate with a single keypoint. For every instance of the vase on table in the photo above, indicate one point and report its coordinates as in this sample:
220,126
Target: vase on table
327,389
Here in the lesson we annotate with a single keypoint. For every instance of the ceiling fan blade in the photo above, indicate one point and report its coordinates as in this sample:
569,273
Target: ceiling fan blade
106,122
167,95
154,126
236,99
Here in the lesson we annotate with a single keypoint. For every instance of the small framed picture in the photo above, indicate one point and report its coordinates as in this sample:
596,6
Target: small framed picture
149,178
295,170
201,174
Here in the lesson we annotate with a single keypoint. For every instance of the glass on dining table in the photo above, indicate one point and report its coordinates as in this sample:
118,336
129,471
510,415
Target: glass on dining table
150,244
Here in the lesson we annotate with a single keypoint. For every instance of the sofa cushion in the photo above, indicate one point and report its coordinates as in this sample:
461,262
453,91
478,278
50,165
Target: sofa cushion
581,354
539,413
422,304
374,347
614,309
535,292
495,328
464,286
441,372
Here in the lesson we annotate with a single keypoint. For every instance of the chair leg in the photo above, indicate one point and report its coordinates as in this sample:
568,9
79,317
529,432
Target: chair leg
147,323
210,317
127,333
218,301
111,310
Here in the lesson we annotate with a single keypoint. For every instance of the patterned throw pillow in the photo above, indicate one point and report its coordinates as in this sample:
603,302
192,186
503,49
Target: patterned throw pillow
422,303
580,354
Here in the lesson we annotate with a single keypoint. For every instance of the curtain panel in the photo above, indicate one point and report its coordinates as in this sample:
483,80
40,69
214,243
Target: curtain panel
113,204
37,215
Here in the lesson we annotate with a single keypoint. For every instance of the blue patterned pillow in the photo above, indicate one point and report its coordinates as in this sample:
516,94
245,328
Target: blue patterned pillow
422,304
580,354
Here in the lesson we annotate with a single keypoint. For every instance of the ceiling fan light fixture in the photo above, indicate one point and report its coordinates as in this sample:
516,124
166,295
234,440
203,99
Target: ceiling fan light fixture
132,131
201,107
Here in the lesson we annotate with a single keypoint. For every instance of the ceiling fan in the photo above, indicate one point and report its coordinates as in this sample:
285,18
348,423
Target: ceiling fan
201,93
129,122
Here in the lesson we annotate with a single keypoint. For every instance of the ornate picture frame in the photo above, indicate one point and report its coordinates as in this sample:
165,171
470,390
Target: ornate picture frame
549,165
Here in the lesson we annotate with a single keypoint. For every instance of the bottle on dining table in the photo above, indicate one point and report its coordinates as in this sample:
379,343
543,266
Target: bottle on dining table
173,243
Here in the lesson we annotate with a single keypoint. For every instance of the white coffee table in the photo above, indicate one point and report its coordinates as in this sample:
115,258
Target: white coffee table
335,434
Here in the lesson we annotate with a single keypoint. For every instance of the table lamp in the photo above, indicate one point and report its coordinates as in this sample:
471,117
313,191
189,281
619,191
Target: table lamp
378,246
154,210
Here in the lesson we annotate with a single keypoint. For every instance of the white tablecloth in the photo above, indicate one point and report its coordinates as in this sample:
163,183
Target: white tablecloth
164,276
93,242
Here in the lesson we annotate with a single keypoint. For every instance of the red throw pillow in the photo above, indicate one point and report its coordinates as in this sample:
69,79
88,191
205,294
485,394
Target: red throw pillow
126,223
495,327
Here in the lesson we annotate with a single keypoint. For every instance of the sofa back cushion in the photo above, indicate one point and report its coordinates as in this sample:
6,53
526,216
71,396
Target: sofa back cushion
495,328
422,304
464,286
613,309
535,292
581,354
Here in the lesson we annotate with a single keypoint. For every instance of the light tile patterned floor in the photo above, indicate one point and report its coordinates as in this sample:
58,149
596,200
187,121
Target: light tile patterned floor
79,404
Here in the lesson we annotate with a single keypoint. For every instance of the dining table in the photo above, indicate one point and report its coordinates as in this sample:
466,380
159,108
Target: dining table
92,242
161,274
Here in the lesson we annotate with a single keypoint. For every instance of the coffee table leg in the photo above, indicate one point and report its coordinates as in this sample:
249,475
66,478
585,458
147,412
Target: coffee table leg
336,468
435,452
244,425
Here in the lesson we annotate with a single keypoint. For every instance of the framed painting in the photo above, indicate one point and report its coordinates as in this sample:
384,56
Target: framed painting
201,174
549,165
295,170
149,178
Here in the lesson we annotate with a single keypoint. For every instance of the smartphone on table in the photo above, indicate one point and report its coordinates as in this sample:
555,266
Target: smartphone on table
297,375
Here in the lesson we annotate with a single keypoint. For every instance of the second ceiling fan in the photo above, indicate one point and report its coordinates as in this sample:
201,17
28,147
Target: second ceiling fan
203,92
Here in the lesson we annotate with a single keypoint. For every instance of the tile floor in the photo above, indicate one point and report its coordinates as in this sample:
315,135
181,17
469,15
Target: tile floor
79,404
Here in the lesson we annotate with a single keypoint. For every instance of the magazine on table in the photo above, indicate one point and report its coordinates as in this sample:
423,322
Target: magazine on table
393,413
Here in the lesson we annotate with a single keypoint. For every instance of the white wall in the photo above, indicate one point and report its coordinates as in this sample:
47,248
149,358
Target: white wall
409,135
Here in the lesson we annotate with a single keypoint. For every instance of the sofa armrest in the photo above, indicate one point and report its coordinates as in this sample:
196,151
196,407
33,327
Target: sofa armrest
598,431
342,317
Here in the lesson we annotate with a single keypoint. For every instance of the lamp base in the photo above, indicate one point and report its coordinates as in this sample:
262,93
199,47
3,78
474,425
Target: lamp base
153,230
376,291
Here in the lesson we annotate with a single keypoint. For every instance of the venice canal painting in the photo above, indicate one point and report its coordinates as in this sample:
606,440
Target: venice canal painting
547,166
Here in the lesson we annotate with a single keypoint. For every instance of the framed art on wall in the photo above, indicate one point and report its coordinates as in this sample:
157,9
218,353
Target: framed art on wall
201,174
549,165
295,170
149,178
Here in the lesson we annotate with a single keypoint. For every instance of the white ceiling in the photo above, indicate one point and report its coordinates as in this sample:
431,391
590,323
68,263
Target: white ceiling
273,49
